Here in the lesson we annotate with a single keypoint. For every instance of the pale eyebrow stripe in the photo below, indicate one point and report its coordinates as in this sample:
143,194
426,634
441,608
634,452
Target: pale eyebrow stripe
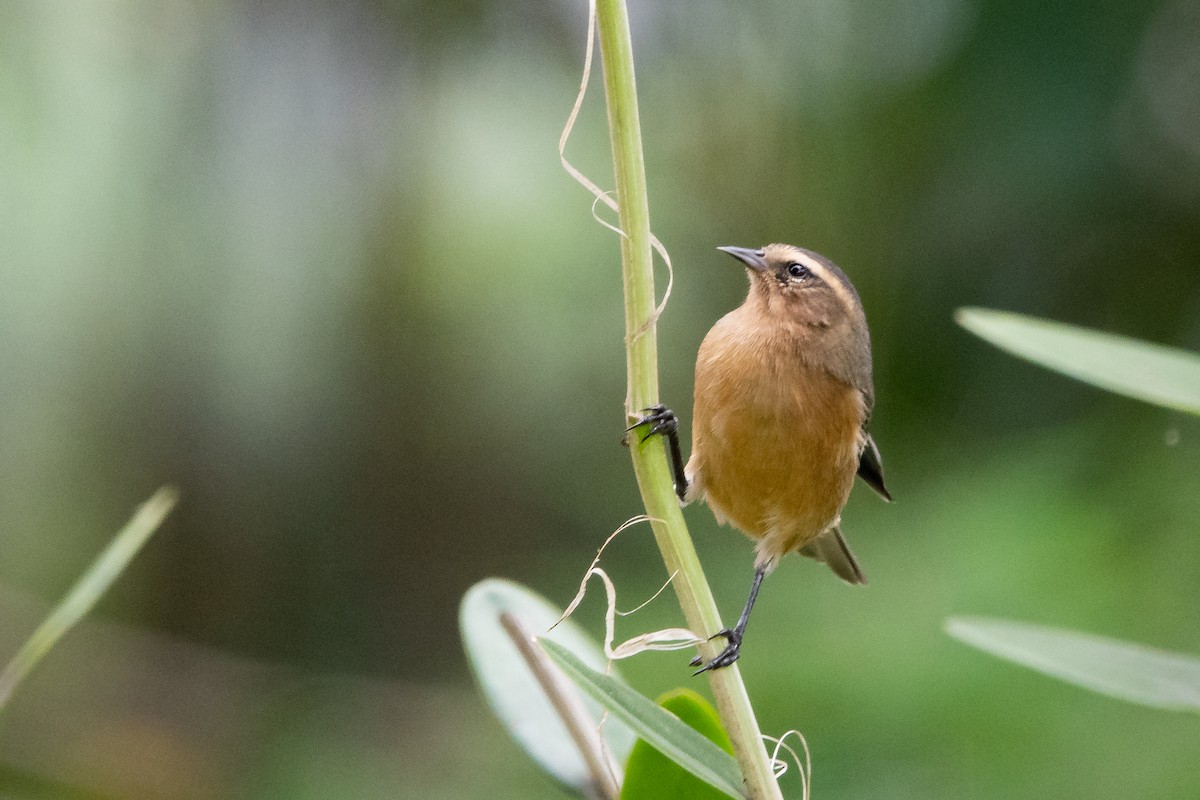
838,286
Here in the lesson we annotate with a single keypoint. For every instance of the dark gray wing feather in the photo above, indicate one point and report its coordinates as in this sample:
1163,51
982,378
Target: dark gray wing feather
870,468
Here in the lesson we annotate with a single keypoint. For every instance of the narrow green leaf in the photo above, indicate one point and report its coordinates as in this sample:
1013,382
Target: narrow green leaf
512,689
1124,670
650,775
88,589
686,747
1165,376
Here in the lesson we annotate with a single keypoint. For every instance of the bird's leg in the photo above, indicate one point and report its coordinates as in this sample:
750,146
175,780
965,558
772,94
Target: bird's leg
734,637
663,420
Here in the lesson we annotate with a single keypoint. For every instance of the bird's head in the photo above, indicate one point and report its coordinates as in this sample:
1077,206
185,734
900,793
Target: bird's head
794,285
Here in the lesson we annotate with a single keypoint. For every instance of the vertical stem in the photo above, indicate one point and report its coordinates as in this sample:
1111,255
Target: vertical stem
568,704
649,459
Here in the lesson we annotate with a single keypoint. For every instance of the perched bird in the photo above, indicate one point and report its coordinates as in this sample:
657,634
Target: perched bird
780,424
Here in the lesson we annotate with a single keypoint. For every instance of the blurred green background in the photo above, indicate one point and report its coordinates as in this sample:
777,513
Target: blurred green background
317,265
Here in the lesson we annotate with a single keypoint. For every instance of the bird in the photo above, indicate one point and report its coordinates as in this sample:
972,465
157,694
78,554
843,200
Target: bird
781,419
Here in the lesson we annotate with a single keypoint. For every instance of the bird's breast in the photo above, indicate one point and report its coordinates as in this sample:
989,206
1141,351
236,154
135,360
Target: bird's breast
776,439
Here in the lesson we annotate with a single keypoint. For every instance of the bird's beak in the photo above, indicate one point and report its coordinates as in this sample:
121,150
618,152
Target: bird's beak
754,259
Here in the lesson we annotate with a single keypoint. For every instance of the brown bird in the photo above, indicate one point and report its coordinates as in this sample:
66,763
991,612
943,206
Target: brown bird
780,423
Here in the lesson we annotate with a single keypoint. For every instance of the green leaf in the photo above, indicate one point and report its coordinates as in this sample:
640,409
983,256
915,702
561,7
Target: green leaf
513,691
1124,670
650,775
1165,376
686,747
90,587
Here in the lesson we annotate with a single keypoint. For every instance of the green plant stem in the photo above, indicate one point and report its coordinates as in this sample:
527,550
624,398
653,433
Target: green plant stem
568,704
649,458
90,587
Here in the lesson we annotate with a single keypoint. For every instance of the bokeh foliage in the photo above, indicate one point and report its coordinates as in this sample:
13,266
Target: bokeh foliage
317,265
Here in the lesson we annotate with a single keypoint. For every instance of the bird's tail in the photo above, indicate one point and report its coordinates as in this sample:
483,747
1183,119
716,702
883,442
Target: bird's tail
831,548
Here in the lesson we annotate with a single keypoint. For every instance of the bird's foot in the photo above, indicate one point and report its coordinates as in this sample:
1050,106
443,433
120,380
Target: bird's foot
660,418
727,656
663,422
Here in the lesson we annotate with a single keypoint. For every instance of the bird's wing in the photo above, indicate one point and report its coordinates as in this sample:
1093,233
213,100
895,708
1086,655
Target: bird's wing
870,467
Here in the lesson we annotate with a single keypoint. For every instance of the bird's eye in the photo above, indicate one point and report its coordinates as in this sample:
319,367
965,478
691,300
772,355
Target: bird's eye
797,270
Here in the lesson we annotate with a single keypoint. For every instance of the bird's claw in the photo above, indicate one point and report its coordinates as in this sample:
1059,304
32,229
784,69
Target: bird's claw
661,419
726,657
663,422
